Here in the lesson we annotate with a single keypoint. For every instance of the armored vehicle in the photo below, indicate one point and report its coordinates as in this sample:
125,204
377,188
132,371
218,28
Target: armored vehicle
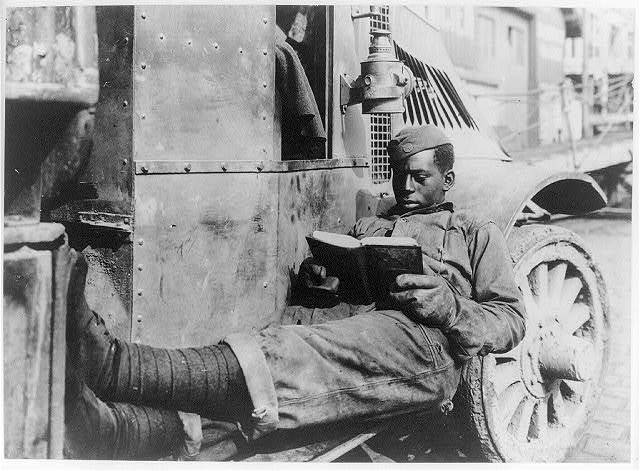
158,140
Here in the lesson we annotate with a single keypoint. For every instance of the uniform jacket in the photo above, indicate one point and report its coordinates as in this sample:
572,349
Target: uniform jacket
473,258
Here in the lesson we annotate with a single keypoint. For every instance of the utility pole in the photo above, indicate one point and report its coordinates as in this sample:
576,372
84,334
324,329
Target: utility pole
587,90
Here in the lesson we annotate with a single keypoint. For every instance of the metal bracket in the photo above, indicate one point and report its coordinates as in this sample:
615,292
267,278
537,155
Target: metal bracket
119,222
374,11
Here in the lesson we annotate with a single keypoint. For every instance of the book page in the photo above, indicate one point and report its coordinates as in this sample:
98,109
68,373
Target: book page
390,241
339,240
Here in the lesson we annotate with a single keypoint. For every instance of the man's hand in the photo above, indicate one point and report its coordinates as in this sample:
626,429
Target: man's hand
315,288
427,299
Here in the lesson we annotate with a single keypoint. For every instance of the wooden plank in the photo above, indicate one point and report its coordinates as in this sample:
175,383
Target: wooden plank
341,449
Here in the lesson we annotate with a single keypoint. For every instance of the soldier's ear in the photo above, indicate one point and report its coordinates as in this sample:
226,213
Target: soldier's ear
449,180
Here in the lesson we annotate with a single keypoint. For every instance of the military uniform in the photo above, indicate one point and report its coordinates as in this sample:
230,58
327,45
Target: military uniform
374,363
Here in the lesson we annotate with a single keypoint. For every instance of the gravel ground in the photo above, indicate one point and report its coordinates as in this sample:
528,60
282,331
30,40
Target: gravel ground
608,437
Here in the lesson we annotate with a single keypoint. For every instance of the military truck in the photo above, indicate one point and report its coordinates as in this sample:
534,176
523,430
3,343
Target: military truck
157,141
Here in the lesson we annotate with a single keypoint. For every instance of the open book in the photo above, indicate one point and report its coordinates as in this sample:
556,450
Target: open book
366,267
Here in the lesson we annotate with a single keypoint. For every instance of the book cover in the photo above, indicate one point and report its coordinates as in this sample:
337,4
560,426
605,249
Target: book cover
367,267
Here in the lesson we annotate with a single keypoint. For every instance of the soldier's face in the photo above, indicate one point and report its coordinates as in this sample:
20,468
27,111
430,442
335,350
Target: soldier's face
418,182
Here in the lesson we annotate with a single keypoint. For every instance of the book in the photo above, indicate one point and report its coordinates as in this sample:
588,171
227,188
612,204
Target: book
365,267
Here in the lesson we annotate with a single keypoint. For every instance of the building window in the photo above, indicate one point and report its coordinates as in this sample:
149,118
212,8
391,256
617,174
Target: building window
486,36
516,42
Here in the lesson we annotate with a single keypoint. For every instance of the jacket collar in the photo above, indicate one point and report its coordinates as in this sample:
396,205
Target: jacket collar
396,212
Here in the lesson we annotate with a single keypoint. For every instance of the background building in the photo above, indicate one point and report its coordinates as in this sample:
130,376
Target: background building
515,62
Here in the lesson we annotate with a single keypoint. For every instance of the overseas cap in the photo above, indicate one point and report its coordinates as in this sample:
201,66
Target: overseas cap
412,140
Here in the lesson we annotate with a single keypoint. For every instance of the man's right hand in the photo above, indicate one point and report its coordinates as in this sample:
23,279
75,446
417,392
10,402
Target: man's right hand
314,286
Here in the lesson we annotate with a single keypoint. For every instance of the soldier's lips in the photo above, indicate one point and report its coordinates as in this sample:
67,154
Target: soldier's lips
407,203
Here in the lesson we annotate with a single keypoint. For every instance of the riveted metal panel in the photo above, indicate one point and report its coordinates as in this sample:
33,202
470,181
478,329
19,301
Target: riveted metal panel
205,250
204,79
310,200
350,40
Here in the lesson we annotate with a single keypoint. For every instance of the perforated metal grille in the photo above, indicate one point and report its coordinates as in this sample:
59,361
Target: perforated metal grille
380,123
380,134
381,21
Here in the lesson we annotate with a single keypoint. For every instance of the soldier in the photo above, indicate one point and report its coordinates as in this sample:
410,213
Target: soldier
373,363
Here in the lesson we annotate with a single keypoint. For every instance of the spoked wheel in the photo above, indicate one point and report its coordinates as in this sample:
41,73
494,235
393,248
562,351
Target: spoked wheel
533,403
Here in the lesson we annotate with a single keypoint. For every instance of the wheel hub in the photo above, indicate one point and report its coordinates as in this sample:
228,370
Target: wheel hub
551,354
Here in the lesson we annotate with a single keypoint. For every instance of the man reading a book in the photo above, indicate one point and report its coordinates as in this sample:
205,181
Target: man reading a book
371,363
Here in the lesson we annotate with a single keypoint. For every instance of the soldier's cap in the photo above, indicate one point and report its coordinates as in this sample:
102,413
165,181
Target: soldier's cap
412,140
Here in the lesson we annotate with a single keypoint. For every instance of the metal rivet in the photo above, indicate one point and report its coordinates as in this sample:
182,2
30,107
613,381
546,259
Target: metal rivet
143,16
140,267
339,220
241,51
223,165
187,168
260,166
215,45
161,37
189,42
264,84
126,220
265,284
143,66
264,116
125,103
140,241
139,292
265,52
144,169
265,20
124,162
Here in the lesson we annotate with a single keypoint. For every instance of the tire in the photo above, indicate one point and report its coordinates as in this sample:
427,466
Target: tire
522,406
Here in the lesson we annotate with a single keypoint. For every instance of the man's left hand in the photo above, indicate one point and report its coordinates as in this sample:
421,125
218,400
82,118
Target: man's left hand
427,299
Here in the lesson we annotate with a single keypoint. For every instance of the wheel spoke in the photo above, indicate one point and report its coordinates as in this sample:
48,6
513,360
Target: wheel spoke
540,424
530,304
558,412
505,375
556,283
572,287
524,419
576,388
577,316
541,289
508,402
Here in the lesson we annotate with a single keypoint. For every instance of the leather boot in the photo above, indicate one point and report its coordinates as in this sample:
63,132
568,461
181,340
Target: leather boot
206,380
91,347
99,430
